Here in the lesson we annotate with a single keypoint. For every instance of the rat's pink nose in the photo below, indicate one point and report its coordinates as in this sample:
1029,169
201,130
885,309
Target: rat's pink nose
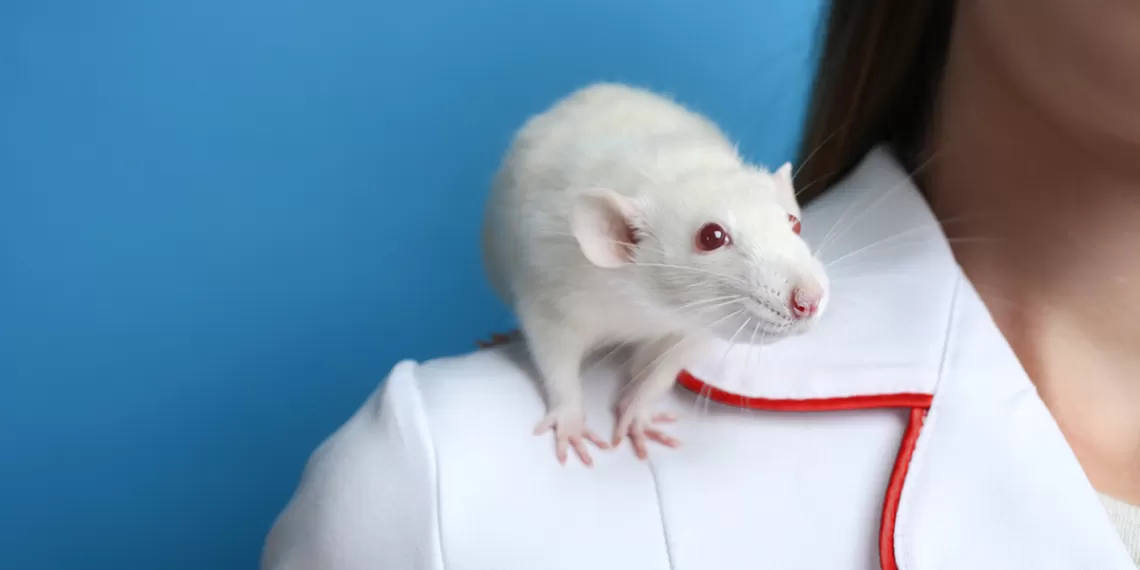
805,301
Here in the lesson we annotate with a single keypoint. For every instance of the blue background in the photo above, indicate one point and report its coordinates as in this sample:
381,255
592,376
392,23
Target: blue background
222,221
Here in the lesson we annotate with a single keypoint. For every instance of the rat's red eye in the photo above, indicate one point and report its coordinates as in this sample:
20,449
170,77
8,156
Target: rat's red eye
712,237
795,223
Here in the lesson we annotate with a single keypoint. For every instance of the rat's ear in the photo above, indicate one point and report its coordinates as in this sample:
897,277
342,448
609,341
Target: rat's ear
784,173
786,188
602,221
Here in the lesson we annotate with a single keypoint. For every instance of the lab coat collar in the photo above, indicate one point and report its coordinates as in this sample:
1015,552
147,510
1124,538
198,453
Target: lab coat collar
984,477
893,283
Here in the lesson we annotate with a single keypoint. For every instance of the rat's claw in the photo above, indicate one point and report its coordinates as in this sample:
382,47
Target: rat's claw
580,449
637,424
595,439
570,431
662,438
578,442
637,438
560,449
638,434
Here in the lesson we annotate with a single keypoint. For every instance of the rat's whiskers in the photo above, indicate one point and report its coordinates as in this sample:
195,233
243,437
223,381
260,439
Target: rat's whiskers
645,369
892,239
901,184
724,360
720,302
748,358
819,147
700,270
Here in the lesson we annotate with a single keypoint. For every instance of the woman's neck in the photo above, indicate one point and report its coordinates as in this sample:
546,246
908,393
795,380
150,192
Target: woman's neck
1037,177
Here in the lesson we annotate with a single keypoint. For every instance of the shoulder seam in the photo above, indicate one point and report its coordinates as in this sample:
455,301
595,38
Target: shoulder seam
433,457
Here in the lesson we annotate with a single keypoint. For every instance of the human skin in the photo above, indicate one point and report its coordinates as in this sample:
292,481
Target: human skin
1036,173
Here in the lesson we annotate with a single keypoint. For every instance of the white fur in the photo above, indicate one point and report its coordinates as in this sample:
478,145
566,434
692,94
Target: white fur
610,155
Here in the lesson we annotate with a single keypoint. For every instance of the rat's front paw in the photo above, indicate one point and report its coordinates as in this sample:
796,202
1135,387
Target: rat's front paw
636,421
570,430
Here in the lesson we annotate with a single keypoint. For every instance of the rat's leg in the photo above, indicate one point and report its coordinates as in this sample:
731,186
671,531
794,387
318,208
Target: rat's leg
654,370
557,353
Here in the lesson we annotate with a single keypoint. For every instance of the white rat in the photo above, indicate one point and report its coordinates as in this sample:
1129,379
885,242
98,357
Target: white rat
619,216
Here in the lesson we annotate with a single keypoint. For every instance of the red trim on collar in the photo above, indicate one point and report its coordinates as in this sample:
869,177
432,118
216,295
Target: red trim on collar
918,404
894,489
868,402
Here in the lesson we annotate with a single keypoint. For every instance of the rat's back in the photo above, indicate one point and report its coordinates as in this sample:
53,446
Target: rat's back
613,127
611,110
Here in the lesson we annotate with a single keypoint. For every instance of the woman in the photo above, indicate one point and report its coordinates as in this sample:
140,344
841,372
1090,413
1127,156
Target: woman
1009,371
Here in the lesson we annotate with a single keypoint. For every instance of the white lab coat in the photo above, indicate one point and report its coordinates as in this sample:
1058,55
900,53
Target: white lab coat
901,434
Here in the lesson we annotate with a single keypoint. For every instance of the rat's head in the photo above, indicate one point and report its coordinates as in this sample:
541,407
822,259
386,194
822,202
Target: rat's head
719,250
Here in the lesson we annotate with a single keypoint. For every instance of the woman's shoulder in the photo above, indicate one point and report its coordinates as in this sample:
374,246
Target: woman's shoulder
440,462
448,444
370,489
367,489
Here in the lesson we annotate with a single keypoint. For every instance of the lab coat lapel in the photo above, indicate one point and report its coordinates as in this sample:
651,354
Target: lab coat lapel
992,482
984,478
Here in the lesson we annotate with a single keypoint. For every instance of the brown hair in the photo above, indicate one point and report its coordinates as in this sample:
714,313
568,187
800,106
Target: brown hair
878,76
